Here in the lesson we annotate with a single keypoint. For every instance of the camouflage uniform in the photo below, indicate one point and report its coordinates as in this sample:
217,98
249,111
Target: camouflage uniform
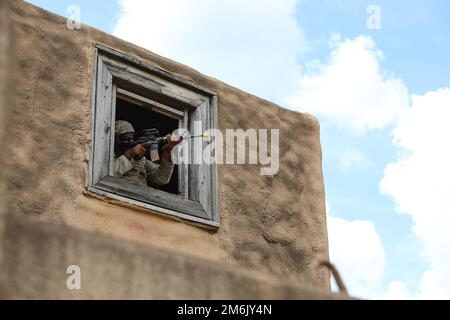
142,172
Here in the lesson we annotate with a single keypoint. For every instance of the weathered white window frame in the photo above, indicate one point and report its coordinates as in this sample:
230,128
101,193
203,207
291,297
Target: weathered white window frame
117,74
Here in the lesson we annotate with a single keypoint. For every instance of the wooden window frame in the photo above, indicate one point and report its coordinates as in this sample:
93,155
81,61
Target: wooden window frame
118,74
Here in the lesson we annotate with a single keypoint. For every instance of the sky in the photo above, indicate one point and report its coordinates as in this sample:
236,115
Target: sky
377,76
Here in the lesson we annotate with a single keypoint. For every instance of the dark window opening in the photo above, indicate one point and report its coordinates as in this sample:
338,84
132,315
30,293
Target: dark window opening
143,118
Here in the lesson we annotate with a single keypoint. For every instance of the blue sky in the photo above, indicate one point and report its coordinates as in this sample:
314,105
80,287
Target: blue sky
414,35
414,39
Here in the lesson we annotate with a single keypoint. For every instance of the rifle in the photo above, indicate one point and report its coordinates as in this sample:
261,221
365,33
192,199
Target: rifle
153,142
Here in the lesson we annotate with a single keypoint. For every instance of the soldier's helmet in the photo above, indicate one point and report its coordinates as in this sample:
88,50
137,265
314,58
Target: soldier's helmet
123,127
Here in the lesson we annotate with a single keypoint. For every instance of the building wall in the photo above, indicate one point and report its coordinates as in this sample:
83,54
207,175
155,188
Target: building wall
273,225
115,269
5,102
5,71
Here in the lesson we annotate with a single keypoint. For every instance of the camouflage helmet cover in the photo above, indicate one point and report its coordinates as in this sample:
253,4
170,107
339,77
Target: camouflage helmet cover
123,127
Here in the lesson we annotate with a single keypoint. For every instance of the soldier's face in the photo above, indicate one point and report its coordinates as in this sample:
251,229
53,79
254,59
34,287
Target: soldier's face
126,138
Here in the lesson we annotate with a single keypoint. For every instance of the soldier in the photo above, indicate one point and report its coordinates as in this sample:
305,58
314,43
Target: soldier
132,164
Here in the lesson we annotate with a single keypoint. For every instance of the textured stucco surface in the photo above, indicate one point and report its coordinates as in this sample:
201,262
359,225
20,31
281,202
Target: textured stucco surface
6,90
5,72
4,58
4,66
38,254
273,225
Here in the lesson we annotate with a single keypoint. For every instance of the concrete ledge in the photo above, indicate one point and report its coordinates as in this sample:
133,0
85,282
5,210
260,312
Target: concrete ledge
36,256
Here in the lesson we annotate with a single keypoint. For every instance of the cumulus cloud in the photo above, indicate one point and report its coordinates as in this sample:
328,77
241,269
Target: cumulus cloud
252,44
352,90
352,158
419,184
397,290
357,251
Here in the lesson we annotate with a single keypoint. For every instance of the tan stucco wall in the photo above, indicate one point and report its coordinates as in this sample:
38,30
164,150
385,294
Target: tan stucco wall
6,53
272,225
114,269
5,73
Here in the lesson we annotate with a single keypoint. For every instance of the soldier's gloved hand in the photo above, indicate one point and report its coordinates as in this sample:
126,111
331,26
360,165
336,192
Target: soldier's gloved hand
172,141
137,152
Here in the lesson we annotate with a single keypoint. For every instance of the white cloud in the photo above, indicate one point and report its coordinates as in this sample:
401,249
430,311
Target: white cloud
251,44
419,183
327,207
352,90
352,158
397,290
357,252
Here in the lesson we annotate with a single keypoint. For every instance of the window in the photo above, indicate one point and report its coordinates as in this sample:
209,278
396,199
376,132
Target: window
125,88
